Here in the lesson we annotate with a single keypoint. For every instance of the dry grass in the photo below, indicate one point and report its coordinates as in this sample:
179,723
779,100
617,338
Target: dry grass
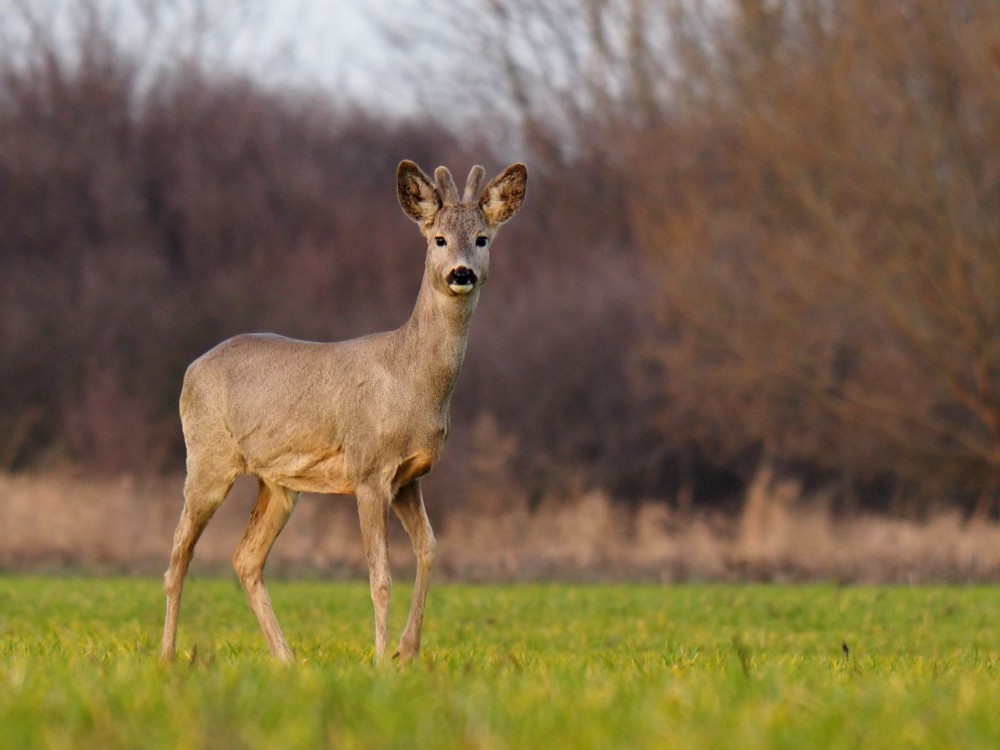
59,520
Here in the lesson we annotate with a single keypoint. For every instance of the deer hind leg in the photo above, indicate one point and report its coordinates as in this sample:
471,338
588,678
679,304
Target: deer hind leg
373,510
274,505
409,506
204,492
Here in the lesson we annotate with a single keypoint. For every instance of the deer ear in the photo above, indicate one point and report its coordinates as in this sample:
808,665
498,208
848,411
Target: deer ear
504,195
417,193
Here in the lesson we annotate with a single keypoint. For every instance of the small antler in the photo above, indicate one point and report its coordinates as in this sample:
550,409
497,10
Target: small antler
446,185
473,184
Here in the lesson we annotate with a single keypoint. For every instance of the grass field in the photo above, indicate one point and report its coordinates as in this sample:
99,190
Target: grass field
550,666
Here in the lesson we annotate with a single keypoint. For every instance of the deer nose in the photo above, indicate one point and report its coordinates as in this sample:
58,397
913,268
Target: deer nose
461,279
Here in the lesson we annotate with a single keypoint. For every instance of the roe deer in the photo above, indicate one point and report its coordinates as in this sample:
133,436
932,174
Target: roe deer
366,416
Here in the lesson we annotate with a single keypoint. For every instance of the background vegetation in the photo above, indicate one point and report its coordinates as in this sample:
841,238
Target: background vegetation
759,234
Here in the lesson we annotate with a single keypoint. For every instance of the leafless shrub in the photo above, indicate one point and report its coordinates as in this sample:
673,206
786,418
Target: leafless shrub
832,282
777,237
816,188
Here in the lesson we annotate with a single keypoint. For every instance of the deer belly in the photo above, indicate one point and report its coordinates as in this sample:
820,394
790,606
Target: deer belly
323,471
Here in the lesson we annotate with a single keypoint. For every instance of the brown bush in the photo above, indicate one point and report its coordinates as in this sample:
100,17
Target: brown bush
157,211
817,190
829,268
754,229
144,220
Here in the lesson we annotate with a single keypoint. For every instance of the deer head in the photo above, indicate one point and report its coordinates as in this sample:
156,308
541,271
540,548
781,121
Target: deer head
459,231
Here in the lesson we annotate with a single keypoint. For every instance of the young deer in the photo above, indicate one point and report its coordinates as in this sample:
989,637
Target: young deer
367,416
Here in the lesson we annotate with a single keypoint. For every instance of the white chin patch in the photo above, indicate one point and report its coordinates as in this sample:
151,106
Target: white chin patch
461,288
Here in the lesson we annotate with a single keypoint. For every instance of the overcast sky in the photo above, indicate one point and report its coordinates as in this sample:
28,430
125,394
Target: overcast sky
348,47
334,43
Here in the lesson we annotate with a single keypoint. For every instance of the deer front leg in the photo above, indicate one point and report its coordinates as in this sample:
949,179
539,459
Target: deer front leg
409,506
373,510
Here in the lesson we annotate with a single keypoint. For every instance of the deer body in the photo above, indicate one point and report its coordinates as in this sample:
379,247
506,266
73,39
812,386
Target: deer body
367,416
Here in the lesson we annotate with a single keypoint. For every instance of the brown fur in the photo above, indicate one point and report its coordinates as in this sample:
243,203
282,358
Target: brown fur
366,416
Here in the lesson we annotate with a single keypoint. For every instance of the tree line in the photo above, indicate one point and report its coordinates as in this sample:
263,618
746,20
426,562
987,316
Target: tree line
754,230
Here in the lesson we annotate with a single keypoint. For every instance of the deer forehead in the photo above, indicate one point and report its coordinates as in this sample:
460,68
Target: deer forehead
460,219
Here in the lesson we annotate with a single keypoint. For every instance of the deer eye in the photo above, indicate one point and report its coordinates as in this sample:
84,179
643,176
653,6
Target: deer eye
440,241
482,241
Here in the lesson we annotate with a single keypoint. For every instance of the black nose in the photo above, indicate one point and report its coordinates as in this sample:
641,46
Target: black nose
462,276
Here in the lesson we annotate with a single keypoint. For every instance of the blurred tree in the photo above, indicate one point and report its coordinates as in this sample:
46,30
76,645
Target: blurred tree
145,212
755,225
817,188
827,212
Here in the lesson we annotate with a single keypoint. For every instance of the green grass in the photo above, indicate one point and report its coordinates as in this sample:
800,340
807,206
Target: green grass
504,667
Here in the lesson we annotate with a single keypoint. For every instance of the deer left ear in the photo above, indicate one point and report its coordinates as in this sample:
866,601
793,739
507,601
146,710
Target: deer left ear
504,195
418,195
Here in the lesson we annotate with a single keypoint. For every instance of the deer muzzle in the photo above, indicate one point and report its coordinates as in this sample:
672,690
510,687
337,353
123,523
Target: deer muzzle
461,280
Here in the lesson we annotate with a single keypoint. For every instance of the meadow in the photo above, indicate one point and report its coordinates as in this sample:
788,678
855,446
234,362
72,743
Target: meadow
575,666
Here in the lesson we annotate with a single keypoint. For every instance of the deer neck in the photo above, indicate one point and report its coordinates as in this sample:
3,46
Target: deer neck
433,339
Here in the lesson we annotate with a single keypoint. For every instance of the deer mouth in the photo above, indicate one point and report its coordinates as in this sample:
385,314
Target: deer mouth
461,280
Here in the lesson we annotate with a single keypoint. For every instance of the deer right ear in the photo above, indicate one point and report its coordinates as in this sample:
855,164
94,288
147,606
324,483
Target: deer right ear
418,195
